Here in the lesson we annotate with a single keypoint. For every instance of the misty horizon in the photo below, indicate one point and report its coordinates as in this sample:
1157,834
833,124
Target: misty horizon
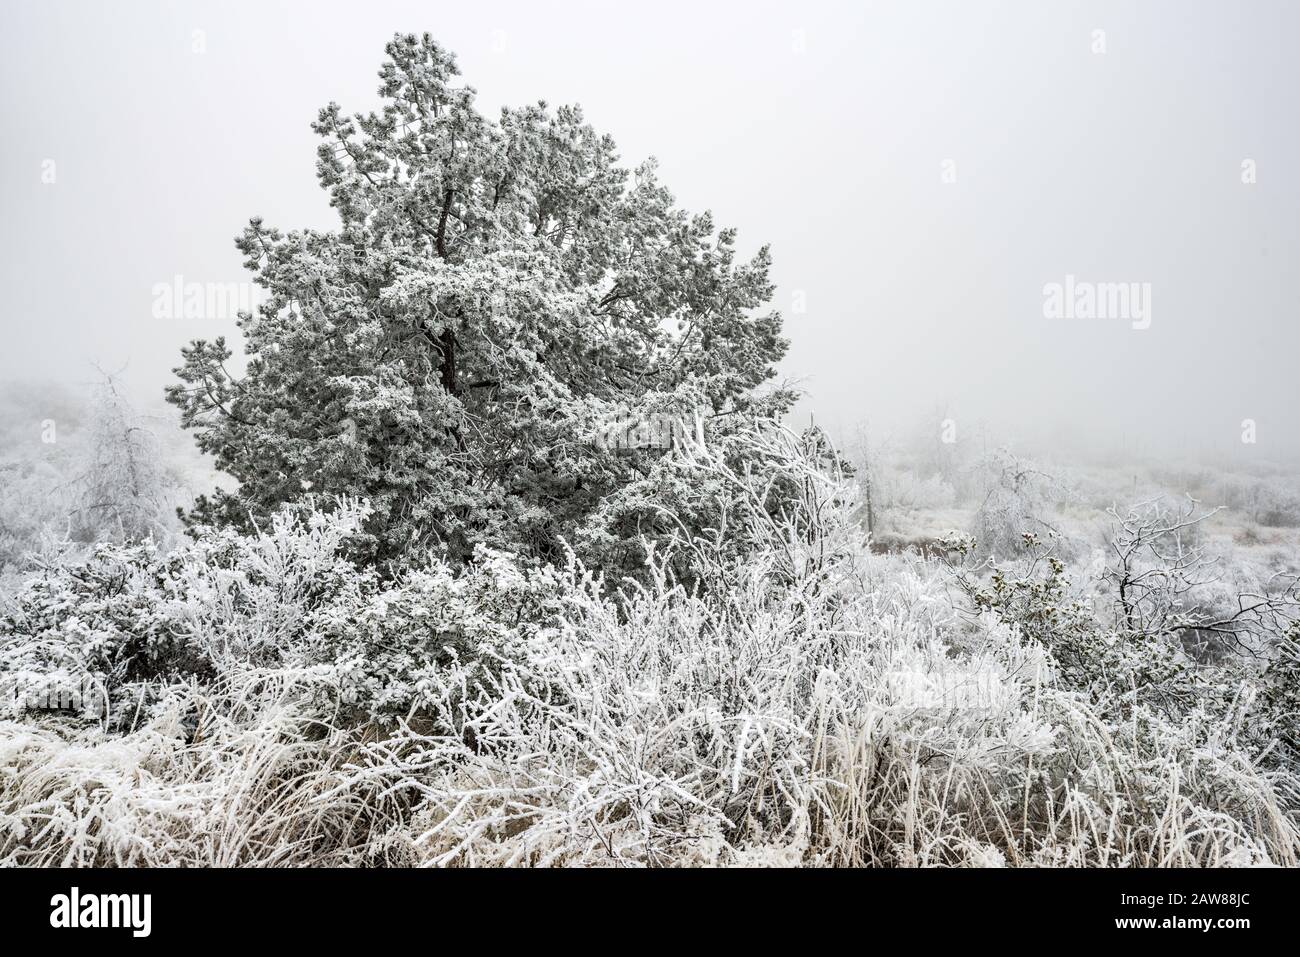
924,175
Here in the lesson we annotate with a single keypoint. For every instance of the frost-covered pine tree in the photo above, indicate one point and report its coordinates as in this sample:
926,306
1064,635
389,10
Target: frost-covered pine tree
495,289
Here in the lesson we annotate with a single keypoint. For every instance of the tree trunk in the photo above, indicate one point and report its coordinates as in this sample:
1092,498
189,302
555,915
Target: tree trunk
447,344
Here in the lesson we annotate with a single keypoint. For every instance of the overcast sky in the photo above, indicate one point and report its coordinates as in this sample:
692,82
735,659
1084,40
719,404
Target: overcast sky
922,171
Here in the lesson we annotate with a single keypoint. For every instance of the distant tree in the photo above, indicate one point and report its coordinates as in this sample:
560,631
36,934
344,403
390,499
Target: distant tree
494,292
1014,505
1162,574
122,490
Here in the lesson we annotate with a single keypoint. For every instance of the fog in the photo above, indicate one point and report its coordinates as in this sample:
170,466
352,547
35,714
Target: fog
494,557
924,172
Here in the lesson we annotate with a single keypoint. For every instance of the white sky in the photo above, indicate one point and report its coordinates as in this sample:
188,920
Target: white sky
924,299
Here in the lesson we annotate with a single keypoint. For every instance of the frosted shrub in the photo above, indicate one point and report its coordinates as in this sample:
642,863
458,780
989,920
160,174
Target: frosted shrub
104,618
29,508
391,645
135,621
802,702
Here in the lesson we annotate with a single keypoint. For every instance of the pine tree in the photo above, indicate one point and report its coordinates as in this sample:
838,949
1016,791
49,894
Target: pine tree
494,291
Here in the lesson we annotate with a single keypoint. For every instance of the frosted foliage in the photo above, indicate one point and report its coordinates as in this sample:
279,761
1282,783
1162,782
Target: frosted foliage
497,293
274,702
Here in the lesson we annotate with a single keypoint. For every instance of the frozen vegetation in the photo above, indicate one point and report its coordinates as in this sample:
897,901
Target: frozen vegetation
514,559
271,700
